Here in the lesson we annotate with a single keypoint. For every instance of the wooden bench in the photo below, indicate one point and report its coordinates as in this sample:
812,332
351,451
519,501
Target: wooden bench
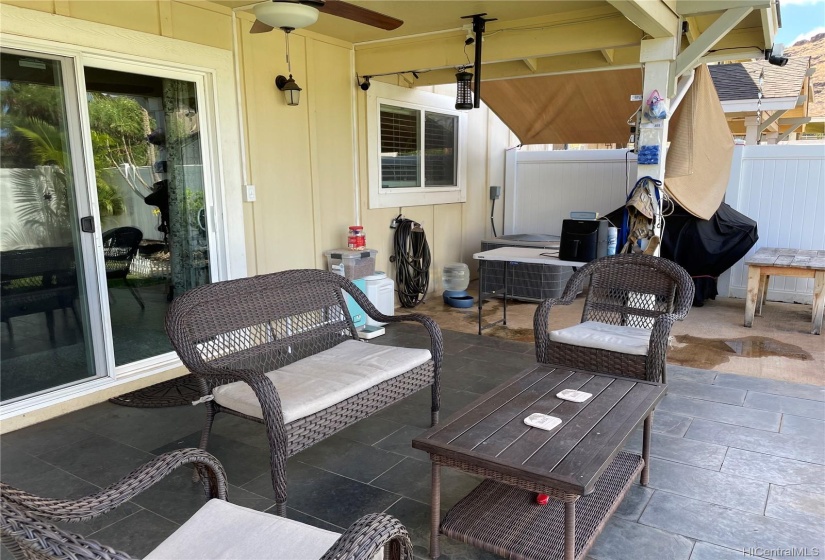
771,261
281,349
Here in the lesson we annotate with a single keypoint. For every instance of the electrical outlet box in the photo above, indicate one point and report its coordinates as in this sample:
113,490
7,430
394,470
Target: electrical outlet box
249,193
495,193
636,97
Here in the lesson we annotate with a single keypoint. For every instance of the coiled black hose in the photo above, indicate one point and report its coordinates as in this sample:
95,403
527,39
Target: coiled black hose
412,262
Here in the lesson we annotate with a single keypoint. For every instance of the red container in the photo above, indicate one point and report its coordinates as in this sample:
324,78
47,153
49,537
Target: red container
356,239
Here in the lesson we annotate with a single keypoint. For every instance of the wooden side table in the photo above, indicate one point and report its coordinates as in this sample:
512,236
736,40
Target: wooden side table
579,464
770,261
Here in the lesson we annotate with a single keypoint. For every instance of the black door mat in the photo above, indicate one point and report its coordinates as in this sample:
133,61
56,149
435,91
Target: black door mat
175,392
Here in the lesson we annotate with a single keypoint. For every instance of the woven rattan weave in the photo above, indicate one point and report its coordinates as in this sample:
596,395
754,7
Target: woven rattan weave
241,329
28,532
632,290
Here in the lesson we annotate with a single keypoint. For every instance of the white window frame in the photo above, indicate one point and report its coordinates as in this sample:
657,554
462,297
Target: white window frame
379,197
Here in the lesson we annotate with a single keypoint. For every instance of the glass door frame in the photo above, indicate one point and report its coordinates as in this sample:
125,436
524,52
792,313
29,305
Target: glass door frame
94,329
211,190
83,165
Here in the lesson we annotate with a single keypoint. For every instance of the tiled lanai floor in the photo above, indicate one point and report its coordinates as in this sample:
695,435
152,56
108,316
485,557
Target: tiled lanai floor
737,463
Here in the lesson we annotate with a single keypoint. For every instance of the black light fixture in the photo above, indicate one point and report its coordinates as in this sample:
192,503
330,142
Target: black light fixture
365,85
464,91
291,90
478,28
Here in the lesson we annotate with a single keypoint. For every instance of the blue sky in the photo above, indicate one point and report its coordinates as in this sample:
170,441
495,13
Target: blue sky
800,19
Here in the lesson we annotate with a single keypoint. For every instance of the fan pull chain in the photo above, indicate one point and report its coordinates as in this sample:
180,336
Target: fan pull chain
288,62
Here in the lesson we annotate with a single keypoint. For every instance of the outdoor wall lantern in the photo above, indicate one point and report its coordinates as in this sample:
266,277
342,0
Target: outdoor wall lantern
292,92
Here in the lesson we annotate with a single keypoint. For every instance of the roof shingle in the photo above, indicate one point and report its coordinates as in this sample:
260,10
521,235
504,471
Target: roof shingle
738,81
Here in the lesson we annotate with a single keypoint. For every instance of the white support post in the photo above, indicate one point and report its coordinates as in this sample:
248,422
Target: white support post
657,57
752,132
772,137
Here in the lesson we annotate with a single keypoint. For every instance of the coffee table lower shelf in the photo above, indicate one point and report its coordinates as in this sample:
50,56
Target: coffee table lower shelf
506,520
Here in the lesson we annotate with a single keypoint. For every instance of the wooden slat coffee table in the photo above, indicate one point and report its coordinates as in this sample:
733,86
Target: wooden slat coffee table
579,464
770,261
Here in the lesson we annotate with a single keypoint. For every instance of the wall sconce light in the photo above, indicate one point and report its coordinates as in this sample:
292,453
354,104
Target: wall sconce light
464,91
292,93
365,85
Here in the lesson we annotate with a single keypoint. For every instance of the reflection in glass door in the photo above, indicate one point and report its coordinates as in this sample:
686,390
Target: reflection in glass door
146,141
44,308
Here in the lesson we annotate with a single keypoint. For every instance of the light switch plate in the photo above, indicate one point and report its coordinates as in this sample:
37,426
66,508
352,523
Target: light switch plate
249,194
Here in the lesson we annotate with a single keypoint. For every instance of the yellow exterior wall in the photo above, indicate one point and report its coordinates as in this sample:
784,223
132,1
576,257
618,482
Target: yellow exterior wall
304,160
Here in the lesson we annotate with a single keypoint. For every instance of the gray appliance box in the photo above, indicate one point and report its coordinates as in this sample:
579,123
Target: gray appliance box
525,281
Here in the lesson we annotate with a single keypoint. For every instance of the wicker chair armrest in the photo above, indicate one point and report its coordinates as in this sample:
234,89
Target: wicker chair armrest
368,535
142,478
659,340
541,321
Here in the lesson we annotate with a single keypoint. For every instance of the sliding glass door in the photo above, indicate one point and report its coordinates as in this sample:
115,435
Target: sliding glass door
47,304
105,204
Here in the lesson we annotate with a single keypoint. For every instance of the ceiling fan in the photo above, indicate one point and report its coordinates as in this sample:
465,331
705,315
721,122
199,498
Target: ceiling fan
295,14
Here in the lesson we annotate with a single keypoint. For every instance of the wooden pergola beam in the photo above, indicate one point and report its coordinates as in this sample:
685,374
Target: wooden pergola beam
653,17
689,58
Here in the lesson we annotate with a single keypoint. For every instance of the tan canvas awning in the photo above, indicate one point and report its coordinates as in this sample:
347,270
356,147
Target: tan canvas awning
585,108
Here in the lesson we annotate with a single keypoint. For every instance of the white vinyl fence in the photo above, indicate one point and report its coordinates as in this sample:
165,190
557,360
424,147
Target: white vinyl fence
781,187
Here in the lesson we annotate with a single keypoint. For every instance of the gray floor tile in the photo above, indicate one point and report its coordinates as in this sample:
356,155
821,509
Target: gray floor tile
694,375
411,479
799,426
471,382
21,469
771,386
804,508
46,436
136,535
634,502
705,391
517,361
731,528
718,412
772,469
97,459
349,458
327,496
624,540
309,520
707,551
401,442
240,429
760,441
670,424
696,453
710,486
788,405
242,462
370,430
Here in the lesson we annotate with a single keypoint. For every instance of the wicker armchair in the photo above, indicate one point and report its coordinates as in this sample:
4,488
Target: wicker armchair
631,305
218,530
247,339
120,245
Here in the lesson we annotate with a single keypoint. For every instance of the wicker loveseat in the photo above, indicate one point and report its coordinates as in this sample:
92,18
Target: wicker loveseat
631,305
281,349
218,530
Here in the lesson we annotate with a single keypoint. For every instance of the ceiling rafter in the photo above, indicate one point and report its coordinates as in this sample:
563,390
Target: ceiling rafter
654,17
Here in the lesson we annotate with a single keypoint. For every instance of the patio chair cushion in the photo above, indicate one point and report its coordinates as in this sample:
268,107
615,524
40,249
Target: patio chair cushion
325,379
615,338
220,530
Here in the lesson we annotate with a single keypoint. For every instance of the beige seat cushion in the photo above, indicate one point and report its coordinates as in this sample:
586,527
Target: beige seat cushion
615,338
220,530
324,379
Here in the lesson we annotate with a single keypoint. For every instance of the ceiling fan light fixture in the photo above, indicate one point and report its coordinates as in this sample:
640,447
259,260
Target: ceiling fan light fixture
291,15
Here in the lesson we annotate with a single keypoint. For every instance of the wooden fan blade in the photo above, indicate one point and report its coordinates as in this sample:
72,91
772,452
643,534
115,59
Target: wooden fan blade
359,14
260,27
